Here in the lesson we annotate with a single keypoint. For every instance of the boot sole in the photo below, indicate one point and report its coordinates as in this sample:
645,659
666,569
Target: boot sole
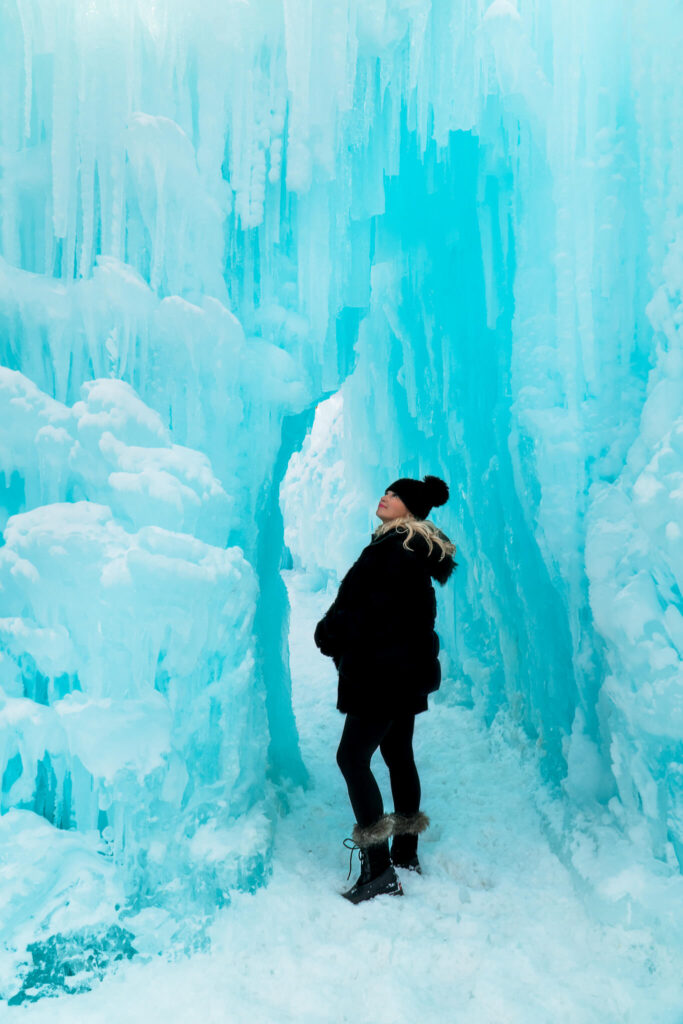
386,884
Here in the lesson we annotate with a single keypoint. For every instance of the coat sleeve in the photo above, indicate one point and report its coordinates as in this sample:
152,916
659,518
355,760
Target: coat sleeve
368,620
323,640
328,633
336,627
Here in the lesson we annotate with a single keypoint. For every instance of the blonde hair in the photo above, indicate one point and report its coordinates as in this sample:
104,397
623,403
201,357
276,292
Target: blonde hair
426,529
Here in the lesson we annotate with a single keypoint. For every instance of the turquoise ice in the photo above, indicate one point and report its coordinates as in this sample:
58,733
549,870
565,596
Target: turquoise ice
256,261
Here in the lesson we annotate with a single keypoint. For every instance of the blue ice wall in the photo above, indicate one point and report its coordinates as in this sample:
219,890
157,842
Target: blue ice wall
212,217
519,333
524,294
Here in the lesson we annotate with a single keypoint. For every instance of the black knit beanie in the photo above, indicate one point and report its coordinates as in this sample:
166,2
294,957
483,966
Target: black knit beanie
420,496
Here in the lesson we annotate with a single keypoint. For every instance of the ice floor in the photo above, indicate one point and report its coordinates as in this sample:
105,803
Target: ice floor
493,933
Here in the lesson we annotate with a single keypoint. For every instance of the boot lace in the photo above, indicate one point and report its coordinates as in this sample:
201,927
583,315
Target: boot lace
354,848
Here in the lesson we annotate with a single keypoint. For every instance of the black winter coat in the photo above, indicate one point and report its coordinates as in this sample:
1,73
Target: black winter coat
380,628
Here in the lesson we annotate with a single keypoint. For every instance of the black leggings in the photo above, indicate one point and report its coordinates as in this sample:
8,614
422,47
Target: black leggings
394,737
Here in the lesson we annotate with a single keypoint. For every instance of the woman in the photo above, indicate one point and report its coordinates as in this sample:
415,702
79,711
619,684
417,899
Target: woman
380,633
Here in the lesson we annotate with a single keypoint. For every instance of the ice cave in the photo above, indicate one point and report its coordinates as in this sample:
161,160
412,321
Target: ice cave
257,259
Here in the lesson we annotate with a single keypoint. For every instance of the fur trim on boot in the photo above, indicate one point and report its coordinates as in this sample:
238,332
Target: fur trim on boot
410,824
371,835
407,827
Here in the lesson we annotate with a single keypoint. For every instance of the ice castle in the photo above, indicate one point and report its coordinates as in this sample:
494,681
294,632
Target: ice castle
256,260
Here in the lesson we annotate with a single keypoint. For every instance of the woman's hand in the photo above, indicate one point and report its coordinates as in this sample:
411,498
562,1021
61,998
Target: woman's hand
324,641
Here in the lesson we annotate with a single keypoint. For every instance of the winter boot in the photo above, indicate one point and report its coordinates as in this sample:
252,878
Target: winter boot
377,876
404,844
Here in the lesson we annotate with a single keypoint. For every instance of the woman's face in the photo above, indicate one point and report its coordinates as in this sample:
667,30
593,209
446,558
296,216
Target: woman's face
391,507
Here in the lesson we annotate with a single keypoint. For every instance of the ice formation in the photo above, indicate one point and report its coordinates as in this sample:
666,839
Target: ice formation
459,223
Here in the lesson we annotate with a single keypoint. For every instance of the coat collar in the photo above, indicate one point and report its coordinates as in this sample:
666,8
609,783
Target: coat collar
439,569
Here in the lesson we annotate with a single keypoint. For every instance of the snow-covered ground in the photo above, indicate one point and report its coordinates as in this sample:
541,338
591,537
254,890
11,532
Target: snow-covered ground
494,932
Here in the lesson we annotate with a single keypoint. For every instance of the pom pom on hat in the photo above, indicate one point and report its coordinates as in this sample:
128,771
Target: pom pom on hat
420,496
437,490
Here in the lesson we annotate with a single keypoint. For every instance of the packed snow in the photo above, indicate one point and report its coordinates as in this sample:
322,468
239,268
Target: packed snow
499,928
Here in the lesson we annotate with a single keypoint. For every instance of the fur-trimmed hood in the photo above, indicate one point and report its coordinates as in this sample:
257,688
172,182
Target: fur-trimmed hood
440,569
